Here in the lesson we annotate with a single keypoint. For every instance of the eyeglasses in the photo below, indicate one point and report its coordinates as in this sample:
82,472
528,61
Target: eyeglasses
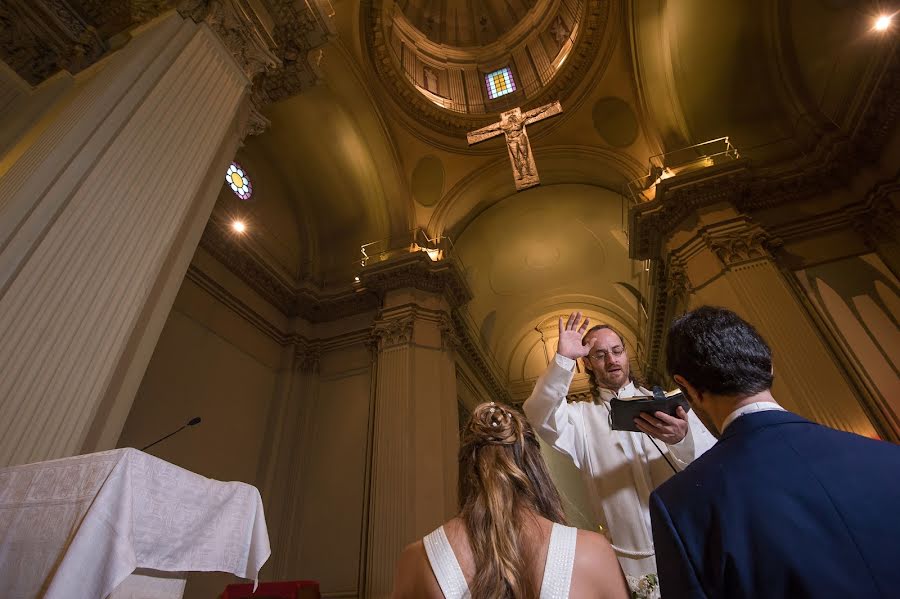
600,354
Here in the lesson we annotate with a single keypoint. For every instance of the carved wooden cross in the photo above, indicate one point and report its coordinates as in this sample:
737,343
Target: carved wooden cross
512,126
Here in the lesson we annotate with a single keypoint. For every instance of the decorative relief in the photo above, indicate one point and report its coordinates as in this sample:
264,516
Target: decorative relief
739,247
40,37
417,271
394,331
449,337
679,285
307,356
239,30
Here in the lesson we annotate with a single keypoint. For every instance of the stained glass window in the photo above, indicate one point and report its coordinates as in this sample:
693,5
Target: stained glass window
499,83
239,181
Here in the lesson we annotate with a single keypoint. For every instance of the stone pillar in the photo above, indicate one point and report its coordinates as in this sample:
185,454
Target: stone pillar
100,211
728,262
415,434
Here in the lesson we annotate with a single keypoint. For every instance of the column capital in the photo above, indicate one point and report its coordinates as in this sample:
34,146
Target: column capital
393,332
240,25
737,243
307,355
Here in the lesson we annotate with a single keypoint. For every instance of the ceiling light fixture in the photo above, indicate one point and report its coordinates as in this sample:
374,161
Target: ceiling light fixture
238,226
883,22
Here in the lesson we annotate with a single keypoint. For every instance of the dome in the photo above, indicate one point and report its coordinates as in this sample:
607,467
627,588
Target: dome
463,23
456,63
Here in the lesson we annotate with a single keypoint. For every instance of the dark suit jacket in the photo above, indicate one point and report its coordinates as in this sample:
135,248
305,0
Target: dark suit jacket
781,507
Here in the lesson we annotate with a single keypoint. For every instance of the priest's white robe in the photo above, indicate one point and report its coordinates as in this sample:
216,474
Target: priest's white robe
620,468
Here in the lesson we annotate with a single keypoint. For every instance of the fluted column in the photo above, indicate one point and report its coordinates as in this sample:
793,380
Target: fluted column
415,433
100,212
729,263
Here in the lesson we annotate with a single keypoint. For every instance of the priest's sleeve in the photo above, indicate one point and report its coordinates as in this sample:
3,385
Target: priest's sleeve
694,444
555,421
677,576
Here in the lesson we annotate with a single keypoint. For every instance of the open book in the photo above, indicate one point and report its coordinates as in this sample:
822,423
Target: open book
624,411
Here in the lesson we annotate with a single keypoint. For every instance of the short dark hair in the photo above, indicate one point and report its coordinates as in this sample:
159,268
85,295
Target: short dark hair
717,351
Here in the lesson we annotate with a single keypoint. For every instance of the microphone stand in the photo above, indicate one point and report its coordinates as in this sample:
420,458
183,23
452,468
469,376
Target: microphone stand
192,422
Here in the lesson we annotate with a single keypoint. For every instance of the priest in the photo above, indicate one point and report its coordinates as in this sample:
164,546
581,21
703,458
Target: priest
620,468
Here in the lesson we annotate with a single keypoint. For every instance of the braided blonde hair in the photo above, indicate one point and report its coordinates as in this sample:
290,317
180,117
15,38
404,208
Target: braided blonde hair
502,477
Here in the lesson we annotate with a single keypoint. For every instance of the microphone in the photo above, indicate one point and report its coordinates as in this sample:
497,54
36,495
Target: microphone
192,422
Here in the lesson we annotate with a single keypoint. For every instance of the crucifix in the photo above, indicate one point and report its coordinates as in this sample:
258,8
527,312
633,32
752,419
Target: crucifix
512,126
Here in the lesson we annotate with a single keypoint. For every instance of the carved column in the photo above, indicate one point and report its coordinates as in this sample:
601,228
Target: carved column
99,216
413,480
728,262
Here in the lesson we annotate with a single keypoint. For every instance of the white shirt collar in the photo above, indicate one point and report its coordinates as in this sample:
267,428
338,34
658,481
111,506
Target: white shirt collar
759,406
628,390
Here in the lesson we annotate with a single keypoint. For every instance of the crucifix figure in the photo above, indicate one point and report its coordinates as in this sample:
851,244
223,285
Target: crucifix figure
512,126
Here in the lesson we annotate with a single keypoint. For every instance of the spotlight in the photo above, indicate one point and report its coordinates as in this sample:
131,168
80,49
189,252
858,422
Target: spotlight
238,226
883,22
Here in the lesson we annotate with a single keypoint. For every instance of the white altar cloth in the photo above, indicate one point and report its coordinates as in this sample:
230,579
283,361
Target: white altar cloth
78,527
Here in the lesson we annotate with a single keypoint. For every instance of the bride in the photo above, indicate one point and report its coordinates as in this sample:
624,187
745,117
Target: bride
509,539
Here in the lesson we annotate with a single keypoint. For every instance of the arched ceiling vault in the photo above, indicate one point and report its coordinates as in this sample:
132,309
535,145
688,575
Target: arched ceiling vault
338,161
367,160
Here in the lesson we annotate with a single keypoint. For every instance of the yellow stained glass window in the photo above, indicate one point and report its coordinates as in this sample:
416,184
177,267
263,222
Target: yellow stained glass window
239,182
499,83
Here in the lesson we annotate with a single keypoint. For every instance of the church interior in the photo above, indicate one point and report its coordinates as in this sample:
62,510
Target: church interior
268,214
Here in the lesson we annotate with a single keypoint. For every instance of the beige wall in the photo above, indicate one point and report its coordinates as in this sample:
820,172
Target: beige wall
207,363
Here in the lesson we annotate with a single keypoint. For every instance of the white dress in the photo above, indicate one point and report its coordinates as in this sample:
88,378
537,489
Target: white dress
619,468
557,571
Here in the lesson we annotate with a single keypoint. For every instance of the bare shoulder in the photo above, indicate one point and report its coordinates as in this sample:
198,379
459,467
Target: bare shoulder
409,574
413,577
597,572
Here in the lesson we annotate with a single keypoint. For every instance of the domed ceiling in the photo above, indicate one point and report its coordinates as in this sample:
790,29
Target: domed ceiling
438,60
464,22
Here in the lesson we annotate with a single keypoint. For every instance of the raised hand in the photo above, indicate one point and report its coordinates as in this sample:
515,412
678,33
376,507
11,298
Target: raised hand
570,336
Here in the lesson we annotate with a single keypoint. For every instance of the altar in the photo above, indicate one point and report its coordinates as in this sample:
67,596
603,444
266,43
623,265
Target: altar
122,524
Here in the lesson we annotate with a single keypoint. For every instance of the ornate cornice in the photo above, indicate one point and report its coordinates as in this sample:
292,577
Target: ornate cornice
301,30
276,42
290,298
40,37
308,303
417,271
